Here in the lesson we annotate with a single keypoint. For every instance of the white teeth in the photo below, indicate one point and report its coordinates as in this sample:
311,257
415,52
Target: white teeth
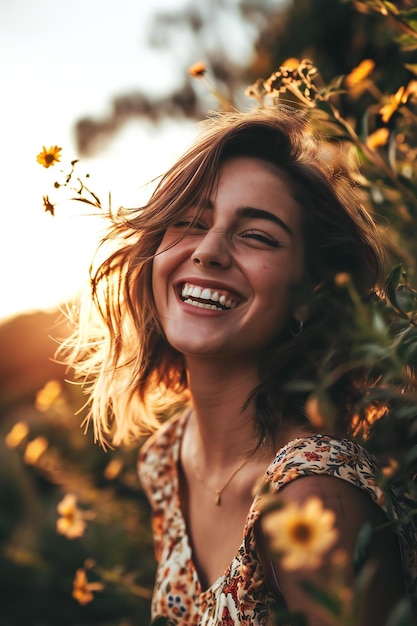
196,292
192,292
202,305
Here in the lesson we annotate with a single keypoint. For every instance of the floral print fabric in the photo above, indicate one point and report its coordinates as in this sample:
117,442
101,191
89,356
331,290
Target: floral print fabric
240,595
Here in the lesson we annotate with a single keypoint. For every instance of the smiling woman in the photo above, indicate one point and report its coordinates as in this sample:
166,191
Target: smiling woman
224,294
245,248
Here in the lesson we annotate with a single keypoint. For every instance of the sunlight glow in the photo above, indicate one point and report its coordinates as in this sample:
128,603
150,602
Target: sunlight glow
44,260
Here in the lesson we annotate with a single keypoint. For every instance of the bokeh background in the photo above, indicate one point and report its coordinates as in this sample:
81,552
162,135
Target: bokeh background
108,82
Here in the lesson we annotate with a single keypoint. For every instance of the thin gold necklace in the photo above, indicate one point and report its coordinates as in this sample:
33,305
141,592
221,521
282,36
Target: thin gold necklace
218,492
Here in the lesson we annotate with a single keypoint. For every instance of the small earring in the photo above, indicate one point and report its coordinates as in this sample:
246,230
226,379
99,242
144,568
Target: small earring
295,331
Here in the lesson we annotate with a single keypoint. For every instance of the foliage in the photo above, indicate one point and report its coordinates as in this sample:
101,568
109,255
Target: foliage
223,32
44,458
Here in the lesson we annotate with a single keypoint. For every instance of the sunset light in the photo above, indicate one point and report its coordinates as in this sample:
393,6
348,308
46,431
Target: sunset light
45,258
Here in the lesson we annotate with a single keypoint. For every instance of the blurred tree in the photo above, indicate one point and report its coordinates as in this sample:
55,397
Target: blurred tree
335,35
242,40
222,33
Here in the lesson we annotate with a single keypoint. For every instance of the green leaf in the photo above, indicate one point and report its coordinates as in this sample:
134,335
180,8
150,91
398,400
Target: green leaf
161,621
302,386
323,597
412,67
362,547
401,615
362,583
410,15
407,42
288,618
407,412
391,8
391,287
410,456
412,23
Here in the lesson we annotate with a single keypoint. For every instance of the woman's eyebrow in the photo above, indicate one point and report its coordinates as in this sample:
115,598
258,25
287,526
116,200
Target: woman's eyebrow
248,211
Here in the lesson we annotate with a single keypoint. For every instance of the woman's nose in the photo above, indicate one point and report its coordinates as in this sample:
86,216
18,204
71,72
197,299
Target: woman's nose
212,251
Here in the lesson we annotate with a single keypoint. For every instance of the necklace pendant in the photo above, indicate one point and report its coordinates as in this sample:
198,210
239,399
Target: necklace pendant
217,499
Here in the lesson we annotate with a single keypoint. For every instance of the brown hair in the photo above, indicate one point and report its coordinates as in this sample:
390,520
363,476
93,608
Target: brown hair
128,369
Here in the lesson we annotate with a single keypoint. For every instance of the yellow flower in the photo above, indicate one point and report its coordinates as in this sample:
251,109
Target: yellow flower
402,96
82,589
35,449
378,138
389,109
390,468
113,469
342,278
297,80
197,69
16,435
359,73
301,533
362,424
314,412
71,523
48,395
291,63
49,156
411,90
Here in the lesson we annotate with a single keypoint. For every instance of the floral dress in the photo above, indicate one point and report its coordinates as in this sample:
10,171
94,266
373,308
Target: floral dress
240,595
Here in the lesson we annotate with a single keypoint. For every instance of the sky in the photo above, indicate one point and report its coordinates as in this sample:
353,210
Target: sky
61,60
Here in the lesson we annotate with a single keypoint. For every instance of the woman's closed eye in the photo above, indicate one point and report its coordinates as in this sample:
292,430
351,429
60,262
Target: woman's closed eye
262,237
189,223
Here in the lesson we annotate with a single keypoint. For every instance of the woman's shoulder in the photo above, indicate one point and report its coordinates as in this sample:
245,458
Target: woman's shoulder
325,455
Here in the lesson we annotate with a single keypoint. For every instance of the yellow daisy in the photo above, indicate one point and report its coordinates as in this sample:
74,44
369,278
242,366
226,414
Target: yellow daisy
35,449
19,431
393,105
301,533
378,138
82,589
359,73
49,156
71,523
48,395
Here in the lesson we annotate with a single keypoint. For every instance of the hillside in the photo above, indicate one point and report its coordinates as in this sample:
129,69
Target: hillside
27,346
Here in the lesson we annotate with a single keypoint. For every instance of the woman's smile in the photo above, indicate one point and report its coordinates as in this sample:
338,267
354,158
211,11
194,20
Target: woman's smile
212,299
222,281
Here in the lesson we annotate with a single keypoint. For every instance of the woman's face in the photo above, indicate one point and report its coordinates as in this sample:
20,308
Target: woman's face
223,287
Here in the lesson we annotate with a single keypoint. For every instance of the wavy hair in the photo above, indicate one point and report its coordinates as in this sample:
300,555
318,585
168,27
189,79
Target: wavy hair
130,373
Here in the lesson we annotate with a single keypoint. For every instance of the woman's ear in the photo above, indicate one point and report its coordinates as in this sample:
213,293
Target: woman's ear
299,317
302,313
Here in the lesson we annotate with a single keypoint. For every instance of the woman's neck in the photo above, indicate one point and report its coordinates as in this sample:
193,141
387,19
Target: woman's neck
223,421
